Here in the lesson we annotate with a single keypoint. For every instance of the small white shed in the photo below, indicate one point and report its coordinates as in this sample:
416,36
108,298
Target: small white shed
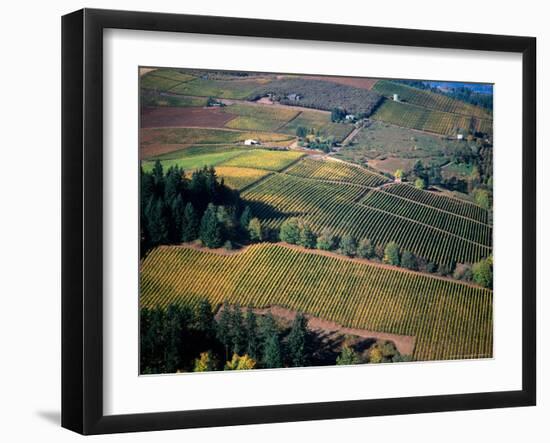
250,142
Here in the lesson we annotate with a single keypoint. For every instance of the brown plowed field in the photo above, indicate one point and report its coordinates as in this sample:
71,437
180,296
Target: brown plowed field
356,82
173,117
155,149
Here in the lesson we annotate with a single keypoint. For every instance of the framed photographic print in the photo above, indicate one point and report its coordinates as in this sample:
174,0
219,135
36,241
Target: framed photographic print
273,221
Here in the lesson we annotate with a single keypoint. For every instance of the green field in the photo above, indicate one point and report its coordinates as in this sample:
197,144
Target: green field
449,320
192,162
428,99
424,119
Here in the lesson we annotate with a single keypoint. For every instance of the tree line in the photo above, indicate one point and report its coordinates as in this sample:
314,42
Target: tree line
298,232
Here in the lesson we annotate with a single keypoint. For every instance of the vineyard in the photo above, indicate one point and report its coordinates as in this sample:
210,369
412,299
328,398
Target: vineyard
438,218
330,170
440,229
424,119
257,117
450,320
164,79
428,99
459,207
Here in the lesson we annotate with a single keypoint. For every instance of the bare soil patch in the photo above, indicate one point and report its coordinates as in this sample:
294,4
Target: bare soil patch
167,116
152,150
326,328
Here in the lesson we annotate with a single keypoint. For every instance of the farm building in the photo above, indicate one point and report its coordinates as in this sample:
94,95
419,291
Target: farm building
459,136
251,142
350,117
395,97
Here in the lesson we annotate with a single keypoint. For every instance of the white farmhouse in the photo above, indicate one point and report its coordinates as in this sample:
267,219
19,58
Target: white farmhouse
251,142
459,136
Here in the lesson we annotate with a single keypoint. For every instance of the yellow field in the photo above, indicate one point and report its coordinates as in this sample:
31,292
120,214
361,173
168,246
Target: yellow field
239,178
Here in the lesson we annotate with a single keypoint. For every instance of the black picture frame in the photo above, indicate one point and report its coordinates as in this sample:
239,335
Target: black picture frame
82,218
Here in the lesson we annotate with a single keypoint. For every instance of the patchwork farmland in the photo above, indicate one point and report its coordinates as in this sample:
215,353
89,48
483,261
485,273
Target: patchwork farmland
362,202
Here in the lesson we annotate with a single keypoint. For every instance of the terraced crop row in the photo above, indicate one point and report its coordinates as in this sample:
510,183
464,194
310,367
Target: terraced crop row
450,320
453,205
336,206
424,119
428,99
336,171
447,221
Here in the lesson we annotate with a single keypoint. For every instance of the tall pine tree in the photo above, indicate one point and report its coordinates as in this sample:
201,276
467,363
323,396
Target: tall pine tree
297,341
211,229
190,224
251,328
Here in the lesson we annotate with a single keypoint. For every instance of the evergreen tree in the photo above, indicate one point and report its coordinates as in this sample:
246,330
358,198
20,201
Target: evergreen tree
211,229
223,330
251,328
348,245
205,320
290,231
173,184
244,220
271,346
177,219
158,179
307,237
237,330
190,224
173,333
158,221
297,341
391,254
365,249
272,352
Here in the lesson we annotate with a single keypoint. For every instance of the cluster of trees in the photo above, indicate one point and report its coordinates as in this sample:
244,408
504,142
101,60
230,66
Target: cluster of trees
478,184
338,115
313,139
174,209
298,232
179,339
